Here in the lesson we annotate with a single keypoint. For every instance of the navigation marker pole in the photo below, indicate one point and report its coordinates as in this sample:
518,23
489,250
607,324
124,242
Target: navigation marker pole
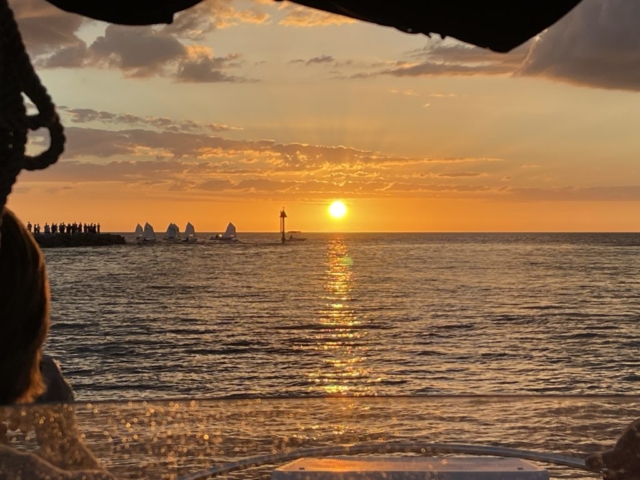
283,215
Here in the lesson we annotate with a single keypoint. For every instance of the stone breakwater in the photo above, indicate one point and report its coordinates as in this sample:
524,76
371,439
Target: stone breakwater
78,240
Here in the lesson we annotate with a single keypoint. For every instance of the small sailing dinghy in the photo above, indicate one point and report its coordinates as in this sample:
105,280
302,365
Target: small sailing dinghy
173,233
228,236
189,234
148,235
139,233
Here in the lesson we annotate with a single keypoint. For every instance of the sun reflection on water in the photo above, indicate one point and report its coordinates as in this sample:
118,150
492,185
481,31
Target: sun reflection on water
342,340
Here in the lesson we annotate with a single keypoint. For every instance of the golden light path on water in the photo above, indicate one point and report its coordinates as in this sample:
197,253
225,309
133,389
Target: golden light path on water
341,338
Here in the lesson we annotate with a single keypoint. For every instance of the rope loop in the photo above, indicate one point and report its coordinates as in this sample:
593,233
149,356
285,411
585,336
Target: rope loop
18,79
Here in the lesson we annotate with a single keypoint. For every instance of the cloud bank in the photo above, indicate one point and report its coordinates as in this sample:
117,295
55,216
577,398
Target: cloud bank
52,39
162,155
597,45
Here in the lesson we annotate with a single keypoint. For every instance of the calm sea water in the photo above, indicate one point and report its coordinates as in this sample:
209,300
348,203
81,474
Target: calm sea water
381,314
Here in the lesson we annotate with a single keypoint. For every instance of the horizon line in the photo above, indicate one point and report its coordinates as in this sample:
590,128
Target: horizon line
405,232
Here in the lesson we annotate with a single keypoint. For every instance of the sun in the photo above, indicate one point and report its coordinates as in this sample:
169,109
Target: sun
337,209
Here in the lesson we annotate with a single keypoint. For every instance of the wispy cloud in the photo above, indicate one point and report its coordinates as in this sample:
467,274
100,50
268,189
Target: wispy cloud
163,160
178,156
461,174
196,22
442,58
320,59
88,115
308,17
407,92
622,193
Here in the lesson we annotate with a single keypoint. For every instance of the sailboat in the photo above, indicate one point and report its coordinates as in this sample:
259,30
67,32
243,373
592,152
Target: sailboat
228,236
148,235
173,233
139,233
189,234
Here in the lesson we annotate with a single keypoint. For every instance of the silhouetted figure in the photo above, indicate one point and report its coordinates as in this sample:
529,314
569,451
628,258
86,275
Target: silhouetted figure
47,229
29,226
98,228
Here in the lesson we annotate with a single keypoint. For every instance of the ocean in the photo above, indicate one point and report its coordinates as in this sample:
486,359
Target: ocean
185,357
354,314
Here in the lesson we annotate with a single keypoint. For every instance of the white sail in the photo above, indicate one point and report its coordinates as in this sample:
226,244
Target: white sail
173,232
139,232
149,234
190,234
230,232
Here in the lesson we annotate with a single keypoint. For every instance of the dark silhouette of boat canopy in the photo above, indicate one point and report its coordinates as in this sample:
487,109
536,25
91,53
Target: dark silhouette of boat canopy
499,25
127,12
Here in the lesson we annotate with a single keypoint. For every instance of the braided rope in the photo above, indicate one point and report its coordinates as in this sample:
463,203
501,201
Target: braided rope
17,77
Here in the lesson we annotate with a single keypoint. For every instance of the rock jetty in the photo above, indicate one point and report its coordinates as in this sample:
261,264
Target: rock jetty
78,240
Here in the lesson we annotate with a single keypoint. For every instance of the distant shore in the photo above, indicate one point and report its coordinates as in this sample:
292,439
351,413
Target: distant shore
57,240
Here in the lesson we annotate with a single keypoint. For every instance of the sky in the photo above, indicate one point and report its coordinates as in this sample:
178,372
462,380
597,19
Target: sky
241,107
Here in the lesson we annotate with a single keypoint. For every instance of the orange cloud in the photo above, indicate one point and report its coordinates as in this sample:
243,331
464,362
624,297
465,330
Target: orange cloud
196,22
408,92
179,156
308,17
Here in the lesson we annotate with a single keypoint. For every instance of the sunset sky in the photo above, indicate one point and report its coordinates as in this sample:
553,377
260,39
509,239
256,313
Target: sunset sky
244,106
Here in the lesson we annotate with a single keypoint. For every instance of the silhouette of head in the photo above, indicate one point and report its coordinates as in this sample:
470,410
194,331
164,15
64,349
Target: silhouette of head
24,312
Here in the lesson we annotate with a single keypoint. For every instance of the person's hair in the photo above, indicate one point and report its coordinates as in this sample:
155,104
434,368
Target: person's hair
24,312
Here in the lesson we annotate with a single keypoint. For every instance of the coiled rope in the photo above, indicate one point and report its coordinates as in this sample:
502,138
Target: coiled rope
18,80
